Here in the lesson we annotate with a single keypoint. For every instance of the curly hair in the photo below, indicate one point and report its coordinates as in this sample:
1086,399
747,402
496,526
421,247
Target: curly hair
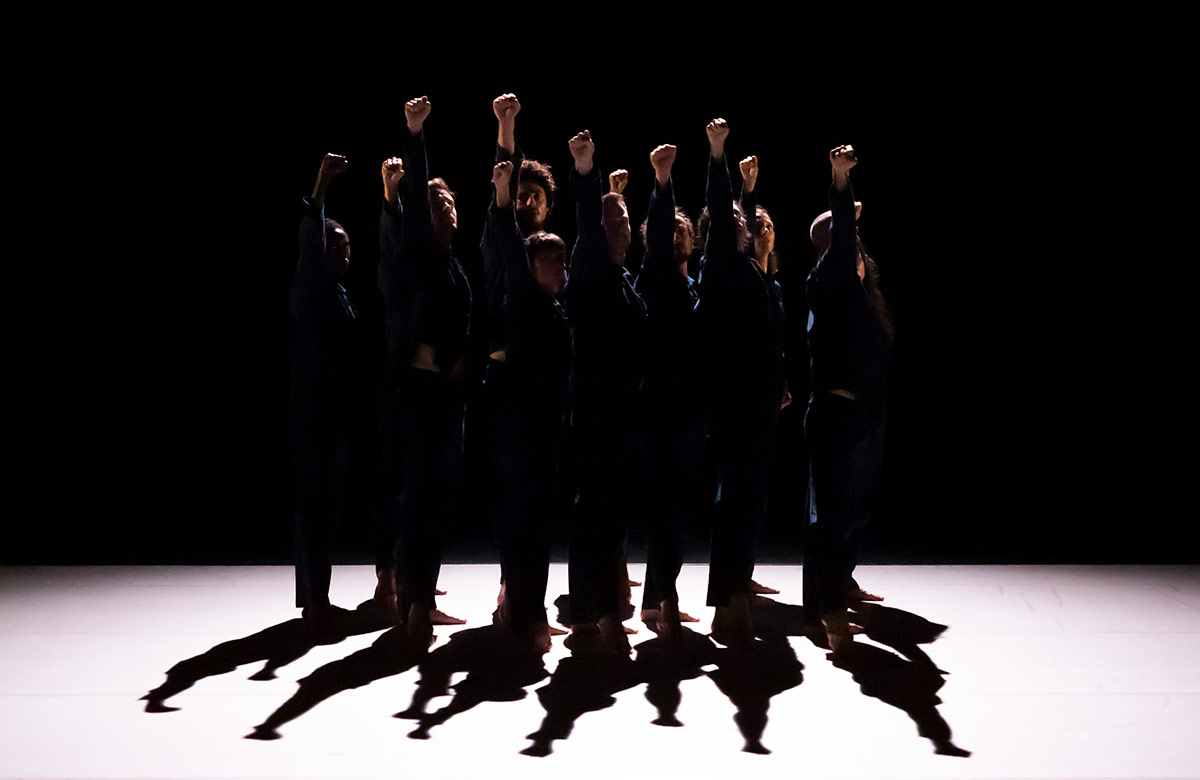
535,172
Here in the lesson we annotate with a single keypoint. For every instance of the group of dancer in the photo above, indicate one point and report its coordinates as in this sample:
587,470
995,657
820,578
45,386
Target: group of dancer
642,369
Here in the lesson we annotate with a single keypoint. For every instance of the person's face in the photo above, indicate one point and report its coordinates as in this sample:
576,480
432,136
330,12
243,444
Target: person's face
550,270
442,212
684,241
764,241
532,207
337,252
616,227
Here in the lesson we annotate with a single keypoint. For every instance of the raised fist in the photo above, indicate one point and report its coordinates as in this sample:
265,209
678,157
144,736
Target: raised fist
506,107
718,131
842,158
582,149
416,111
749,169
333,164
662,158
502,175
392,171
617,180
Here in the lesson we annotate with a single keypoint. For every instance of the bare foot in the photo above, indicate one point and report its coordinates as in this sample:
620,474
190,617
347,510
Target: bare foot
669,620
385,591
439,618
758,589
418,626
858,594
732,625
614,634
837,630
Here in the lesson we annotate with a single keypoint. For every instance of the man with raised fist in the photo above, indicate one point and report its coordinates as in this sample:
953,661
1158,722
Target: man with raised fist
742,325
527,395
325,354
609,321
849,342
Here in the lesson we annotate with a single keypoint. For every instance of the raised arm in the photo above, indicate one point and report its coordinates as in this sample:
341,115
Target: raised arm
749,199
842,256
391,227
660,218
591,246
721,242
312,224
618,180
506,107
510,247
414,187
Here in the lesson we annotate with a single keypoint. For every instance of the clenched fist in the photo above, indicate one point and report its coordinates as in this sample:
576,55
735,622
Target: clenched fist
333,164
582,149
662,158
842,158
749,169
617,180
392,171
506,107
416,111
718,131
502,179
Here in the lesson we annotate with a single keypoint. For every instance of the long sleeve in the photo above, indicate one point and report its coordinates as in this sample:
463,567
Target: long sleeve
660,231
841,259
311,272
510,248
721,244
414,194
590,256
494,265
390,275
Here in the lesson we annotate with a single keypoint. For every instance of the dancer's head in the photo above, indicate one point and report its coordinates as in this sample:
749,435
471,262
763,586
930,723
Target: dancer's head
535,196
684,240
442,211
764,241
739,228
818,232
337,248
548,261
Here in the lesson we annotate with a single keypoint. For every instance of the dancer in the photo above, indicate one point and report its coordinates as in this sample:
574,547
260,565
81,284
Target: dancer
609,319
671,436
742,323
527,394
849,340
429,303
321,393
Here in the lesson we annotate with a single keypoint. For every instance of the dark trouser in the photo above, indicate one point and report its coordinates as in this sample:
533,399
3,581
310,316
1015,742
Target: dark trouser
745,446
319,456
391,478
599,520
845,445
671,450
526,437
431,419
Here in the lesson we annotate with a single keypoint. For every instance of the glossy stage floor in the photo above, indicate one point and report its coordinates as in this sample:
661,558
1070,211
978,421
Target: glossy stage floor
1036,672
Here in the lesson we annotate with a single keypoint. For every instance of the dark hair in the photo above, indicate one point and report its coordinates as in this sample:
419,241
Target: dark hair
702,223
535,172
438,183
874,292
332,226
679,213
541,241
773,258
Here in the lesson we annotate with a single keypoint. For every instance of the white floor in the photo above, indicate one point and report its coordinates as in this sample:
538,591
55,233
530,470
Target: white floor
1053,672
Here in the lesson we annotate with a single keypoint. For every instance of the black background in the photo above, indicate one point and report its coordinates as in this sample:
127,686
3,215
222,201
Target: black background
1026,174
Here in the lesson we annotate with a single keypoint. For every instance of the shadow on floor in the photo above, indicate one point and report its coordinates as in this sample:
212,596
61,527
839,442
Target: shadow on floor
497,671
909,681
278,646
750,677
391,654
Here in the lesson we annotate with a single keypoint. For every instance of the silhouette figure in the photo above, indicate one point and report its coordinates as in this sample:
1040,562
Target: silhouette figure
278,645
664,663
392,653
497,670
583,682
750,677
907,685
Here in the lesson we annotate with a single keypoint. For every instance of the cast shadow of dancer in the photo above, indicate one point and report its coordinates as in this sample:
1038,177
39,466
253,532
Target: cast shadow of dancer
909,681
750,677
278,646
581,683
394,652
497,671
663,664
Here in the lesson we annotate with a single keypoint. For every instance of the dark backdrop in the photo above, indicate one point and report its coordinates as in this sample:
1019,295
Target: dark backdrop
1025,169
